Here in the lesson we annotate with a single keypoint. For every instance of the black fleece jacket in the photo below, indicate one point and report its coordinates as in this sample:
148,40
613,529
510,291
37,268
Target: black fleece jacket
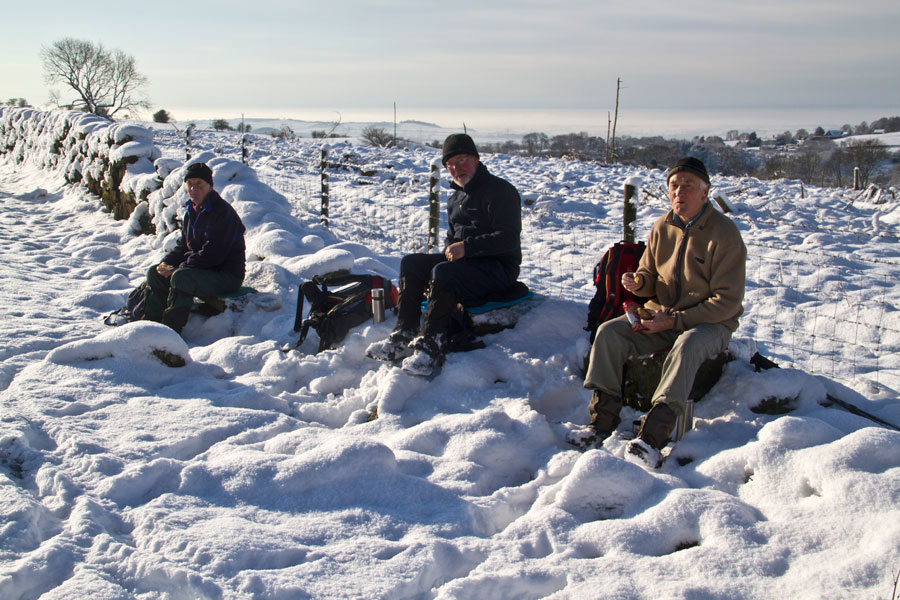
212,238
486,215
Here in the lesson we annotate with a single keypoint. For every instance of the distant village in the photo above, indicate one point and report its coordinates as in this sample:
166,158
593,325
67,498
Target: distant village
845,157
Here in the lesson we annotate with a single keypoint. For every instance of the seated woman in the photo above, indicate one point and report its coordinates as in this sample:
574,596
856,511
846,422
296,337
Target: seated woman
208,259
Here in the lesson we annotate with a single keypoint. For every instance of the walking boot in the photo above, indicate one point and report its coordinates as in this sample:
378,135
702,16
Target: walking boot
654,435
176,318
428,355
604,410
395,347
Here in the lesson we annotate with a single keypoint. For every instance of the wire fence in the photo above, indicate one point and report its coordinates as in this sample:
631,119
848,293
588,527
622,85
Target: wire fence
829,315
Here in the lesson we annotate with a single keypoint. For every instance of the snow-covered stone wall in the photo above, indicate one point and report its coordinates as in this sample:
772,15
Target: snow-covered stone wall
112,160
122,165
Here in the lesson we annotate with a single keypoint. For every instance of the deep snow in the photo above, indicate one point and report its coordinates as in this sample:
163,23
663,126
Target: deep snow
255,473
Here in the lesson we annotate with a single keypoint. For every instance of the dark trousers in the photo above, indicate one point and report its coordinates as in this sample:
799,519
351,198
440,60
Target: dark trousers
465,281
170,298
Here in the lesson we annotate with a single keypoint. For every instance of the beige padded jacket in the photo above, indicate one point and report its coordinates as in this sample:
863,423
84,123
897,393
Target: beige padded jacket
697,273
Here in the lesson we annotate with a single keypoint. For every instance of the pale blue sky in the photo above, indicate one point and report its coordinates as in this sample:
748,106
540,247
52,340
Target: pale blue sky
264,57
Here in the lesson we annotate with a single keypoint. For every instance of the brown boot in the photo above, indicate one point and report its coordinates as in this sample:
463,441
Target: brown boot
604,410
658,425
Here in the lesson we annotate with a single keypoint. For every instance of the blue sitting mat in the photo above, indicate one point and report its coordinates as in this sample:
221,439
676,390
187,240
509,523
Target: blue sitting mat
241,291
514,295
494,305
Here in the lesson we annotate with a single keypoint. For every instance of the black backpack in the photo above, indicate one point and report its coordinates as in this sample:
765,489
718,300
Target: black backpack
338,303
133,309
606,304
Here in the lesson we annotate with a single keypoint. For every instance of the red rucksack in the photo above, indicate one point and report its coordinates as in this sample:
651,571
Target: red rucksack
606,304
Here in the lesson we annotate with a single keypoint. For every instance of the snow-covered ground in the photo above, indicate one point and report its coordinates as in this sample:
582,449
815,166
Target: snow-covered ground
251,472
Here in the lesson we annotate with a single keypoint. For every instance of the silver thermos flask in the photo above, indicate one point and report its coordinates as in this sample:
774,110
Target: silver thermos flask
378,304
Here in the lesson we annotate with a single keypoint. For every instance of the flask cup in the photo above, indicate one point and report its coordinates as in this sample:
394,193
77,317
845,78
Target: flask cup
378,304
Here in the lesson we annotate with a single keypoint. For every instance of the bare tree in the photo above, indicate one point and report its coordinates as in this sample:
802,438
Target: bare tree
580,145
285,133
865,154
836,168
162,116
535,143
785,138
334,125
377,137
106,81
809,167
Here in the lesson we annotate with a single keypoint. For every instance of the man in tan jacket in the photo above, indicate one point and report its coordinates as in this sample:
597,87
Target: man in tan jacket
693,273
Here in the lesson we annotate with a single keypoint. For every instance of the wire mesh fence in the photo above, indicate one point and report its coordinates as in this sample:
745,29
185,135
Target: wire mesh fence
832,316
824,314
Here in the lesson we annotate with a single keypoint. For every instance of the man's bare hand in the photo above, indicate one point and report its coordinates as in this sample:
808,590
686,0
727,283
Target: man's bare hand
165,270
631,281
660,322
455,251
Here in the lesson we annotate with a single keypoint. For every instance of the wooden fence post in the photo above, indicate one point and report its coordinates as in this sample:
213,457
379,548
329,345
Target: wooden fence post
857,179
187,142
629,213
324,178
434,205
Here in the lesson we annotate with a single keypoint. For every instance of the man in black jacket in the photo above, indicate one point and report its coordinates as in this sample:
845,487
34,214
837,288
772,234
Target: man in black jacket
481,256
208,259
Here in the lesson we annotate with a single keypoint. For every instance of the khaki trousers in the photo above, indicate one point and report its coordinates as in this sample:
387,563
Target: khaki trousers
615,342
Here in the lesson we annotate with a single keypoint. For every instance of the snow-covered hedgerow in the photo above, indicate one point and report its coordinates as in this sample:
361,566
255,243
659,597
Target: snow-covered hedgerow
121,164
114,161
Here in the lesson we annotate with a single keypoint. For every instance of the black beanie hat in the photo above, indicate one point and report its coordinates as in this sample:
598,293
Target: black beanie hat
199,171
690,165
458,143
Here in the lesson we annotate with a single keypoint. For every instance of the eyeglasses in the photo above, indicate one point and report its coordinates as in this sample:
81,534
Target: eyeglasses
457,161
